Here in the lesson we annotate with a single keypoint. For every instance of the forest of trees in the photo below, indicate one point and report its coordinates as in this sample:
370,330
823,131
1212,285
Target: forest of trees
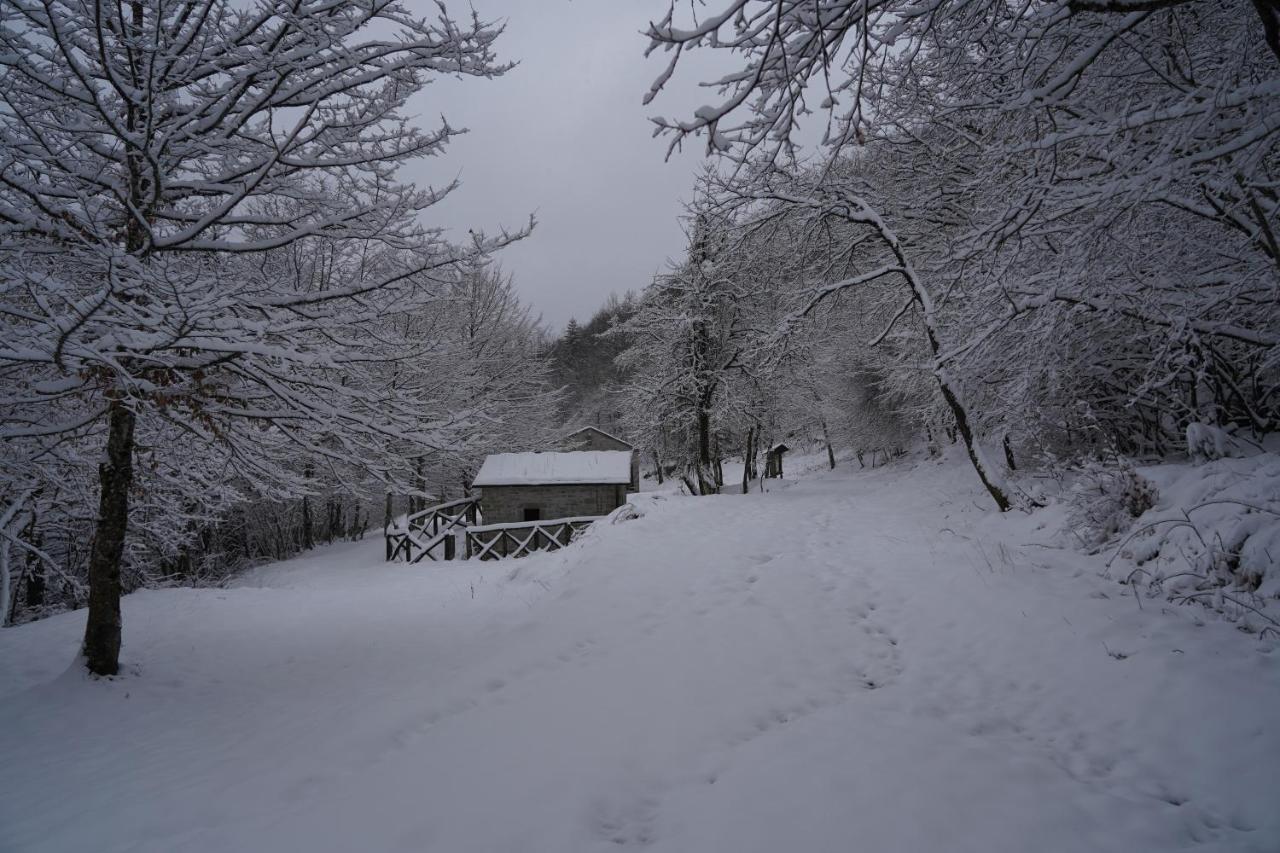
228,333
585,359
1046,232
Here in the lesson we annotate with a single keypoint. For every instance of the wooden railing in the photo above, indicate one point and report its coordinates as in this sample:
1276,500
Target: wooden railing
431,533
494,541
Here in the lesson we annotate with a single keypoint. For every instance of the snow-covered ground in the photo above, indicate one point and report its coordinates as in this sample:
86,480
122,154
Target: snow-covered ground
859,661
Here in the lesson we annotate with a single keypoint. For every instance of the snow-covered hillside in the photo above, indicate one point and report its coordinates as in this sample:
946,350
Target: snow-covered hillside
859,661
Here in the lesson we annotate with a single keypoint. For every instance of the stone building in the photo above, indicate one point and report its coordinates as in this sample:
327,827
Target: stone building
516,487
594,438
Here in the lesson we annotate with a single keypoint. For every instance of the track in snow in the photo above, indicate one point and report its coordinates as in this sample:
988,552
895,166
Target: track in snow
862,661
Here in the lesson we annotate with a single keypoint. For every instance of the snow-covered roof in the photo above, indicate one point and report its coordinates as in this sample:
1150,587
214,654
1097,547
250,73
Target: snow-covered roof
602,432
573,466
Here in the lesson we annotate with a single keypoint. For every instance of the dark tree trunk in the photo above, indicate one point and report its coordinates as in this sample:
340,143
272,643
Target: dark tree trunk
1008,453
335,524
747,455
706,479
831,454
307,542
416,503
704,437
657,466
34,567
102,633
308,536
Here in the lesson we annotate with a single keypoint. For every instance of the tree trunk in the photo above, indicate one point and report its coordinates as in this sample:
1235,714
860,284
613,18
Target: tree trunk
657,466
831,454
706,479
307,543
34,571
746,460
980,465
950,391
5,587
417,503
102,633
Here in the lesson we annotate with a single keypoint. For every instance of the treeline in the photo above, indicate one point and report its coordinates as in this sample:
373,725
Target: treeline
228,330
1048,231
586,369
468,375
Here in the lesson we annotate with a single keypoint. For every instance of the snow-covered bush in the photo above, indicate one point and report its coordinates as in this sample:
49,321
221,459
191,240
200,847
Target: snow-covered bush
1206,442
1106,499
1214,539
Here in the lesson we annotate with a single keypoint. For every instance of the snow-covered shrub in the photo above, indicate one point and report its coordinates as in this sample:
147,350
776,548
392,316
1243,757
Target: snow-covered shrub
1106,499
1213,539
1206,442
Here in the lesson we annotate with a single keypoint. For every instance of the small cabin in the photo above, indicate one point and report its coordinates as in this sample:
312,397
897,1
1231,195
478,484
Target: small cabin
773,460
522,487
594,438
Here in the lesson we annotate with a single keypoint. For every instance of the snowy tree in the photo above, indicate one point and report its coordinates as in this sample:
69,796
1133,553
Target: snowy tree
156,154
687,337
1093,174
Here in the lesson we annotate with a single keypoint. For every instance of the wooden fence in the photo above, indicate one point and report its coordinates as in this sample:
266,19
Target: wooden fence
431,533
520,539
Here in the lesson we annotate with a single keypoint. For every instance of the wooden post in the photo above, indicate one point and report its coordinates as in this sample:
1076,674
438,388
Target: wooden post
450,547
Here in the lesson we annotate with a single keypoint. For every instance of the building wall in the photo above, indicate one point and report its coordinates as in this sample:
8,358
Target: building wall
506,504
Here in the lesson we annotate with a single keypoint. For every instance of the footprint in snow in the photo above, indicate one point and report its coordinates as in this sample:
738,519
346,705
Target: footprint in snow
627,821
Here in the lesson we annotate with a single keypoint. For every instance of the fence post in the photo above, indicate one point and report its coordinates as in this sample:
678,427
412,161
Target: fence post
450,546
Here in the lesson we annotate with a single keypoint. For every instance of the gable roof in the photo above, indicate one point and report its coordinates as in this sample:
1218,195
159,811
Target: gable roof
581,430
567,467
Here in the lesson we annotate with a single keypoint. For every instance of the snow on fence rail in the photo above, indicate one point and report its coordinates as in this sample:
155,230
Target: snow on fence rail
431,531
519,539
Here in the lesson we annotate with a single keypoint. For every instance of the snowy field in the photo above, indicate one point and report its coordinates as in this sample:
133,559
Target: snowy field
859,661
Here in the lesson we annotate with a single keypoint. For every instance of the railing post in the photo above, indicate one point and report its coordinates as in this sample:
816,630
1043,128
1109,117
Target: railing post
450,546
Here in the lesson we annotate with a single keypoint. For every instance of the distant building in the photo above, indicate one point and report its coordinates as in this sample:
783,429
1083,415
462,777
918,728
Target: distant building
516,487
594,438
773,460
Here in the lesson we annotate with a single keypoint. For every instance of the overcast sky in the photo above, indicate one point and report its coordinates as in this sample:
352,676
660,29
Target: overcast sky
565,136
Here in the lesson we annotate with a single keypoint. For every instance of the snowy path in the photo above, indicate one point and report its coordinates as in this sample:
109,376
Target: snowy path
858,662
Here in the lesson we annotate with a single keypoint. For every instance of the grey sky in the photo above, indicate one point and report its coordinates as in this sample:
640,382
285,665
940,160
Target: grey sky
565,136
